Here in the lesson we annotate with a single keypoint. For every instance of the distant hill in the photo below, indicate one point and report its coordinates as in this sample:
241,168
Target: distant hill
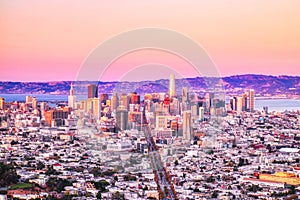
278,86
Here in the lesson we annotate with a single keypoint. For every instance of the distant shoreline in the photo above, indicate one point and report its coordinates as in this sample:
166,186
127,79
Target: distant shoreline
276,98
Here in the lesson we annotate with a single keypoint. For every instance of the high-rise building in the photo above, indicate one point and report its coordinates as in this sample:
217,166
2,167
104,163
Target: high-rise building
114,102
71,98
251,100
103,98
56,117
172,86
43,108
89,105
148,97
185,95
2,103
161,96
92,91
201,113
124,100
122,117
232,103
34,103
265,109
194,110
187,128
134,98
239,104
28,99
211,100
244,102
160,121
175,107
96,108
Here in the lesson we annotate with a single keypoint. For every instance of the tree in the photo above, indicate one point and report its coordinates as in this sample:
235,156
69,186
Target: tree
145,188
117,196
210,152
58,184
8,174
214,195
96,171
116,178
196,190
129,177
101,185
176,162
14,142
241,162
99,196
40,165
210,179
51,171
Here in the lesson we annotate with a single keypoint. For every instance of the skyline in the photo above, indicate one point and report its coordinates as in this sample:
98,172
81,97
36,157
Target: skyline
48,41
164,76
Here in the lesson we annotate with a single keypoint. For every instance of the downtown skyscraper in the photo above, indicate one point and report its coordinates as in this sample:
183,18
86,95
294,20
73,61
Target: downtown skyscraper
92,91
172,86
251,100
71,98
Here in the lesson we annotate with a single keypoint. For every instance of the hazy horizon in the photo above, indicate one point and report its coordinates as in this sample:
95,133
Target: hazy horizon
138,80
50,40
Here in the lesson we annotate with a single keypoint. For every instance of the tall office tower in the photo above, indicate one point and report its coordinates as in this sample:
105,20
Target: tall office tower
211,100
244,99
34,103
82,105
235,103
89,105
172,86
43,108
107,103
201,113
251,100
160,121
187,128
147,103
114,102
92,91
185,95
122,117
2,103
231,102
239,104
265,109
55,117
28,99
96,108
131,107
155,97
161,96
148,97
103,98
174,107
194,110
134,98
71,98
124,101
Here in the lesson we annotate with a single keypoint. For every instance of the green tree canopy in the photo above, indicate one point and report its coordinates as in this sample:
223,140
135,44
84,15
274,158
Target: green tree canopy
8,175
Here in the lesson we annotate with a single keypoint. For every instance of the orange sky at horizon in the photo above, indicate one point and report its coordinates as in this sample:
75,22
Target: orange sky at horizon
49,40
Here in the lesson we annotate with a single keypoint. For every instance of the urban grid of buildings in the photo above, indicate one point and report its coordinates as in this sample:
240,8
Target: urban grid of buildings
159,146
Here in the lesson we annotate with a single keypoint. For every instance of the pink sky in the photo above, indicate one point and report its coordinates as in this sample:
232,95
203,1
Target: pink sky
49,40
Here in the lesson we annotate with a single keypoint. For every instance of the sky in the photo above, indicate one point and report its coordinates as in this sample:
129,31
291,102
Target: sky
50,40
